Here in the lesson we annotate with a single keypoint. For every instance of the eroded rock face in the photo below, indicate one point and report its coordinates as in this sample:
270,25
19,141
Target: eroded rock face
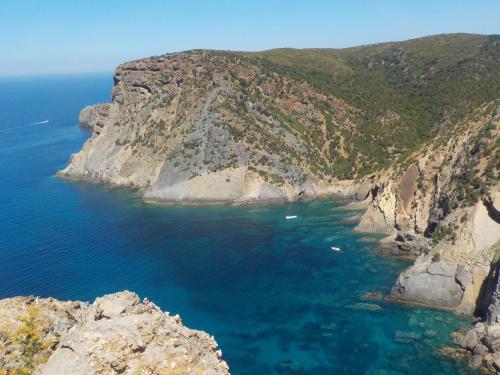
116,334
94,116
441,206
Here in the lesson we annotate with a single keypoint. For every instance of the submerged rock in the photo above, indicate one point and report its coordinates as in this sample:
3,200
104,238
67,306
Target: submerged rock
115,334
372,296
289,367
406,337
366,307
430,333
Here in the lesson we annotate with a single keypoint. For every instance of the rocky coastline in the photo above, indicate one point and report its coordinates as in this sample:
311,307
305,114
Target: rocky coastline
117,333
213,127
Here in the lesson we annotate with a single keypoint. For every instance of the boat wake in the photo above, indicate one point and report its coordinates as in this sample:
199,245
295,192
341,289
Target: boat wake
25,126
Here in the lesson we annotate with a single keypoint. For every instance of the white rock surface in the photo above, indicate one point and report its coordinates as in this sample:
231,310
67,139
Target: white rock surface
117,334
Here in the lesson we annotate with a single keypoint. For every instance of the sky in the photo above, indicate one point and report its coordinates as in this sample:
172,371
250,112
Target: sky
84,36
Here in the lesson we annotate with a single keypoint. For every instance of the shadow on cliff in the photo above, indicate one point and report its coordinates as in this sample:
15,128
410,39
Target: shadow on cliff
487,289
492,211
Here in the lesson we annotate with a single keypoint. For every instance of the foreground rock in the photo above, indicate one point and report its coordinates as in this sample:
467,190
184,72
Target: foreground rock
116,334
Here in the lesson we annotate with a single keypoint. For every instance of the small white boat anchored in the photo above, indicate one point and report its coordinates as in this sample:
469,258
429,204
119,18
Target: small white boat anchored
291,217
335,248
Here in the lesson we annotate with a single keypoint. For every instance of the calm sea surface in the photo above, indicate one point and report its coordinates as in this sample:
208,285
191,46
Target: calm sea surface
271,291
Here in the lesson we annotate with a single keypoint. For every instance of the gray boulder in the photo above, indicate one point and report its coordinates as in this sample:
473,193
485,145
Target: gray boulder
432,284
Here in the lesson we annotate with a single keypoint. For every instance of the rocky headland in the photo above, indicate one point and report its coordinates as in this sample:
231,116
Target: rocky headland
116,334
279,125
189,127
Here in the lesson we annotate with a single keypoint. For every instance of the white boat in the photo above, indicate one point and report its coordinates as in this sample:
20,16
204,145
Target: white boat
335,248
290,217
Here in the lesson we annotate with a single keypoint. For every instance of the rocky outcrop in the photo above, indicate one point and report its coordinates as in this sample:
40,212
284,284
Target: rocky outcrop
94,116
117,334
435,283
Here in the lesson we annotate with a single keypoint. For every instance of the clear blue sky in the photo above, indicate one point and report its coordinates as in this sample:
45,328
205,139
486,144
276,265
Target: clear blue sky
68,36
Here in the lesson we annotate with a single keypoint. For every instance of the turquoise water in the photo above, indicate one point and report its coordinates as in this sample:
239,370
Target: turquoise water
271,291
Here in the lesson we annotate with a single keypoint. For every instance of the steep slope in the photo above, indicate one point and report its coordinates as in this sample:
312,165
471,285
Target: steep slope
442,204
280,124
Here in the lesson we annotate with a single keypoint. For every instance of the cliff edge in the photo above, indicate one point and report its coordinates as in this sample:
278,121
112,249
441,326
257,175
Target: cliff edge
116,334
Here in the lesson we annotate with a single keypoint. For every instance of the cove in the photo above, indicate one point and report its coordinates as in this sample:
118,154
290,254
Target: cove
272,292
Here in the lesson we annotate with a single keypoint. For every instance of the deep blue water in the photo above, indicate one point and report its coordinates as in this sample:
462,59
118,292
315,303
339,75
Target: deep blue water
271,291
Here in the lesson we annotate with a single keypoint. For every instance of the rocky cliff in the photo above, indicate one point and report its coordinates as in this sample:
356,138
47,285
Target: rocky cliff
117,334
441,204
207,126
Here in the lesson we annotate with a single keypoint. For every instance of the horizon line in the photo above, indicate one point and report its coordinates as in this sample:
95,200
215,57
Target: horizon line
103,72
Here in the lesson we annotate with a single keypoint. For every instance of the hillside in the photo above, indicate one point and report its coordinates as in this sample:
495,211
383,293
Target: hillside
242,127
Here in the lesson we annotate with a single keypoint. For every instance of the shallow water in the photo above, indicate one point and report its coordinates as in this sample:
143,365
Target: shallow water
270,290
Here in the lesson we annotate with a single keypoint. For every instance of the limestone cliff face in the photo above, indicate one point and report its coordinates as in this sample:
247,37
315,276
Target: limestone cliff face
441,204
202,126
116,334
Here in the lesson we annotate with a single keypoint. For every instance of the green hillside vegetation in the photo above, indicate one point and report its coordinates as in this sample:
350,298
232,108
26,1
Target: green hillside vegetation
301,116
427,84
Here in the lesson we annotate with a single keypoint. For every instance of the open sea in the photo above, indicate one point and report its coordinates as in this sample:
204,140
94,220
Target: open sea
275,296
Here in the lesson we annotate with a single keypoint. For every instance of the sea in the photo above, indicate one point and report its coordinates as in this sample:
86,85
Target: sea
272,292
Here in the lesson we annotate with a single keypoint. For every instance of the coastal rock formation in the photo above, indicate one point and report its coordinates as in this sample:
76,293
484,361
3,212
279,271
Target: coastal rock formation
432,284
94,116
116,334
440,205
